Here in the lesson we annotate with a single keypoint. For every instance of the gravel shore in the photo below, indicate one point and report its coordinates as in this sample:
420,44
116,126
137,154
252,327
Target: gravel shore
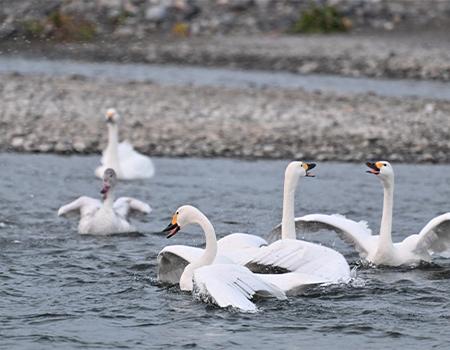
65,115
424,56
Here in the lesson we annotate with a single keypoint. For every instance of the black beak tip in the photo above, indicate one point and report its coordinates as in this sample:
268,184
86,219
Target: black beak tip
311,165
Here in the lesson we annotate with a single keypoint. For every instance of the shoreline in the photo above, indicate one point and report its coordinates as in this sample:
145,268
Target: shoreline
46,114
398,55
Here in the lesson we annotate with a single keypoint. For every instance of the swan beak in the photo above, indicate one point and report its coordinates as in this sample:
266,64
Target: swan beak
308,167
110,117
374,169
105,190
172,229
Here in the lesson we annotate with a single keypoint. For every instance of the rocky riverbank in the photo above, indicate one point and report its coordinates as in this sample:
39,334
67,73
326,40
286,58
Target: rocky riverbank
64,115
385,38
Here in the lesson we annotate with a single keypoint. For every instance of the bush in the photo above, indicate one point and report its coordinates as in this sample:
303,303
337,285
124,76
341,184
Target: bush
321,19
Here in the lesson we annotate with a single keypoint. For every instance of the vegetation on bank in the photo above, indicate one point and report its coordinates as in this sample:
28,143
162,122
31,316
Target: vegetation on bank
321,20
61,27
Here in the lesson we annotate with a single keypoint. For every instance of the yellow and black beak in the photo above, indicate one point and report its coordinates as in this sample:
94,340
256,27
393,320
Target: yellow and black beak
308,167
374,168
172,228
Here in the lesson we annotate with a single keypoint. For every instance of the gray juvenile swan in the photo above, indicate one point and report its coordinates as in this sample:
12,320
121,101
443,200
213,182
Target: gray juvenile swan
107,217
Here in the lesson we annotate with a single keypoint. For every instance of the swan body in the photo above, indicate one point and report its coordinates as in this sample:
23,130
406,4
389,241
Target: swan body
107,217
127,163
434,238
291,255
224,284
232,248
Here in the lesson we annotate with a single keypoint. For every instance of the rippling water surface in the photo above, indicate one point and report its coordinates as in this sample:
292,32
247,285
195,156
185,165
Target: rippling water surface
62,290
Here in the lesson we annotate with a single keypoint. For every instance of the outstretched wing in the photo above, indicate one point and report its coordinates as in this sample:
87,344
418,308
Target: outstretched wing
85,206
435,236
229,285
354,233
134,165
124,206
173,259
289,255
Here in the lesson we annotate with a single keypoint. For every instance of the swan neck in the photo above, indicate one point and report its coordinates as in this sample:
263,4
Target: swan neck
211,243
207,257
112,149
108,202
386,219
288,220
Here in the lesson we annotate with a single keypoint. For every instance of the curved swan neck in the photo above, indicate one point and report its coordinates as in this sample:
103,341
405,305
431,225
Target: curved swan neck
288,220
386,219
210,252
208,255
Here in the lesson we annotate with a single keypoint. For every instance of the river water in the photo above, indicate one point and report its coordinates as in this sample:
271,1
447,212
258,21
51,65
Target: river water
65,291
234,78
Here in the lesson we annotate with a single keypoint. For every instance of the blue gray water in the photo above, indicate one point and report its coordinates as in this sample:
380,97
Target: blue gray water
60,290
186,75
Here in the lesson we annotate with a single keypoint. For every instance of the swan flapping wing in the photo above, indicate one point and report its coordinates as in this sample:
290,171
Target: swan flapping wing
123,206
236,241
293,283
173,259
134,165
229,285
240,247
435,236
355,233
84,205
289,255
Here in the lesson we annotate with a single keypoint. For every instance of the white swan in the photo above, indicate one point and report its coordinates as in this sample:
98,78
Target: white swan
122,157
290,254
379,250
107,217
312,263
227,285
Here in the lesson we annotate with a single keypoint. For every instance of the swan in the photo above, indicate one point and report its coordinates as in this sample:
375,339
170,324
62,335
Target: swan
379,249
312,263
122,157
226,285
107,217
291,255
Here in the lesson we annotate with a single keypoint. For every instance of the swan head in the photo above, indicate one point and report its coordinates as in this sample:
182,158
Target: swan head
184,216
382,169
299,169
109,182
111,116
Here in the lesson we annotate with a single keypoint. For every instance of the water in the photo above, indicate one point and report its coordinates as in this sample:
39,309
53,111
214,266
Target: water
186,75
65,291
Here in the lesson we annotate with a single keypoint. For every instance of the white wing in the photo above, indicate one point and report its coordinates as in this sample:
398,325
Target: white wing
86,206
134,165
355,233
435,236
174,258
293,283
240,241
123,206
229,285
240,247
290,255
